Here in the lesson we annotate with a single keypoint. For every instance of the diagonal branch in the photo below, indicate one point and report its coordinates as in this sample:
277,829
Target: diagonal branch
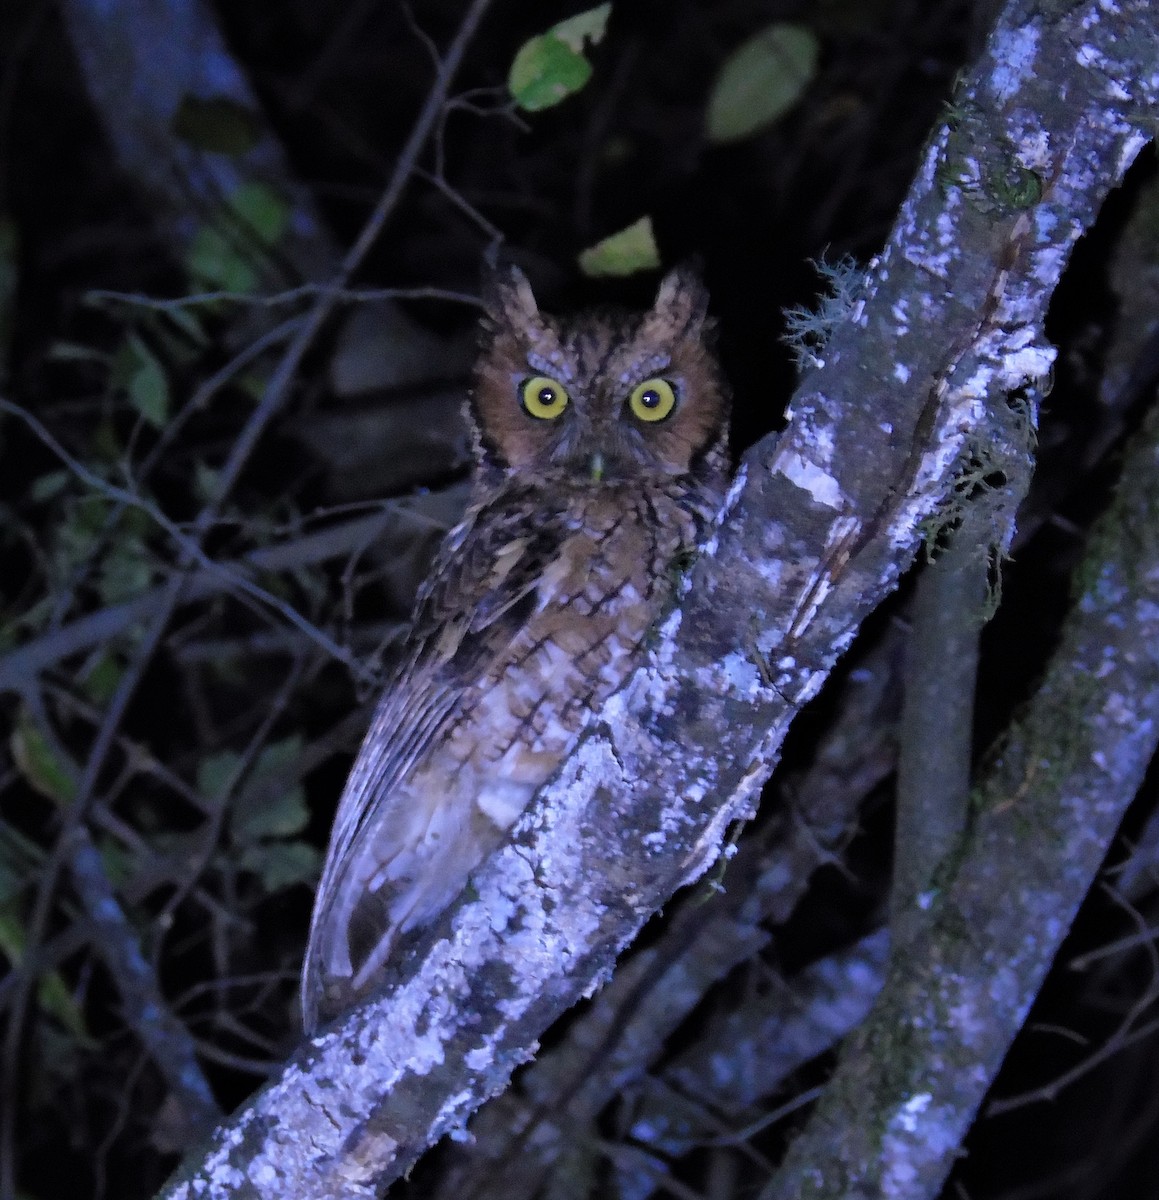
526,1135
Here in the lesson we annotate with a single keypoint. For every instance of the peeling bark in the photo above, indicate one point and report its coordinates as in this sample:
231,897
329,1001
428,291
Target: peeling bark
818,530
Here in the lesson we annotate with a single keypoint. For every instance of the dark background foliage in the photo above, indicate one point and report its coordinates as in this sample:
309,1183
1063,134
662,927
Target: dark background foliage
239,713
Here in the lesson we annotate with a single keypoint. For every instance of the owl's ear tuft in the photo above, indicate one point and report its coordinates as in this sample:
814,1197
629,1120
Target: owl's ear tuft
508,299
681,301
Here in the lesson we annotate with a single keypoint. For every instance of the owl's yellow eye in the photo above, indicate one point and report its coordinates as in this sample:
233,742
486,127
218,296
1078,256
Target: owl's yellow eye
652,400
545,399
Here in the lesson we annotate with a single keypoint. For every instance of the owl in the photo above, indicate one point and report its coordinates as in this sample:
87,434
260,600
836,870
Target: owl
600,462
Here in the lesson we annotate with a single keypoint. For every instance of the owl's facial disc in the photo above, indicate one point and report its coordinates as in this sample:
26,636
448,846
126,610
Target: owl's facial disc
604,432
603,398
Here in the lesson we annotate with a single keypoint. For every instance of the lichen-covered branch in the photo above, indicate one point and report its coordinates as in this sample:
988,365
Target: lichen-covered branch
532,1132
914,1075
947,330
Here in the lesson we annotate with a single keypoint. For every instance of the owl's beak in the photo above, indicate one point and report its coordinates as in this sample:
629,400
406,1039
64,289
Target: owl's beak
596,466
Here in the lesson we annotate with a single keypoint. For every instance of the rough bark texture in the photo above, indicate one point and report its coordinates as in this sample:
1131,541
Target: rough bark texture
947,328
522,1141
914,1074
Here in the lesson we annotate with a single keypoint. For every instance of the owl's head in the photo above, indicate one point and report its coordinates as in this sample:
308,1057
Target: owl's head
602,396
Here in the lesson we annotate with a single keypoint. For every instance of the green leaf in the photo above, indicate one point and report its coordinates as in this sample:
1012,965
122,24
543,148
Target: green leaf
12,937
37,760
223,255
261,814
189,324
278,759
215,264
137,522
106,445
624,253
282,864
45,487
263,211
120,864
272,804
54,998
126,571
217,124
20,861
252,384
549,68
206,482
76,352
78,533
144,380
760,81
216,773
31,620
545,72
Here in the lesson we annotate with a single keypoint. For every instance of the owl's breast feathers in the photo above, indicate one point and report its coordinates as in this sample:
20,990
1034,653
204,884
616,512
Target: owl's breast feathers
533,615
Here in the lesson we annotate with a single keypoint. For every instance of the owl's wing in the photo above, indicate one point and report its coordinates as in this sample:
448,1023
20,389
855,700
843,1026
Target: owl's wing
490,563
475,599
475,602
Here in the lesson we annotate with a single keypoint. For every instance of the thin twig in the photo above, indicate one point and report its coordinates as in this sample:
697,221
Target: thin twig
304,291
20,668
190,547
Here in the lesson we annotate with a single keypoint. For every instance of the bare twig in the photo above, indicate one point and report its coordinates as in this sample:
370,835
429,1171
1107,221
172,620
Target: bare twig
20,668
1131,1028
191,551
306,291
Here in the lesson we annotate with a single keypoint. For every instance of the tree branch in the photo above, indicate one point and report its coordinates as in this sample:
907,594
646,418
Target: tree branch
533,1130
915,1073
936,733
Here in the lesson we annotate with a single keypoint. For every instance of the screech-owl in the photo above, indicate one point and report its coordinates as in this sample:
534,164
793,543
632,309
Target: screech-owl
600,461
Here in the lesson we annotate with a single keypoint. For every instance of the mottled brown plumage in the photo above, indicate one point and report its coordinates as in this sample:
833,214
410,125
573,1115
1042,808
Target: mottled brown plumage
600,460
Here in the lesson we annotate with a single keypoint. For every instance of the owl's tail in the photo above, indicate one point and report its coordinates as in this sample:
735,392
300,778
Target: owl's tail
396,876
